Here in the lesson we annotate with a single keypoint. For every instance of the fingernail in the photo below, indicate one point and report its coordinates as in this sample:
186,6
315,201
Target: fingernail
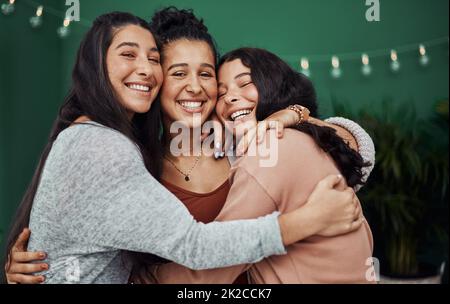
44,267
339,176
42,255
42,279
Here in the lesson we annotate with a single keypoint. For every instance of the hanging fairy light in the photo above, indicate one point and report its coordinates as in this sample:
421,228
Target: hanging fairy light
36,21
366,69
395,64
64,30
424,59
304,64
336,71
8,8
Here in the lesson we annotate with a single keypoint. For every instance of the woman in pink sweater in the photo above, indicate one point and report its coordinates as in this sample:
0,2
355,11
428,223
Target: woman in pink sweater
279,175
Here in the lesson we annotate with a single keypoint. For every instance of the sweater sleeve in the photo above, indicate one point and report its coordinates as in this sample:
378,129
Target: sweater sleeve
366,147
120,205
246,199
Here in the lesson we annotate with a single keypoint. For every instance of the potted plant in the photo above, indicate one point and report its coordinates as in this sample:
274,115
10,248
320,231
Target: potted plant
406,198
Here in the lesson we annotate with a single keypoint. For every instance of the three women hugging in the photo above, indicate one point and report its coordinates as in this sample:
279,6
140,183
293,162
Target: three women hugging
110,198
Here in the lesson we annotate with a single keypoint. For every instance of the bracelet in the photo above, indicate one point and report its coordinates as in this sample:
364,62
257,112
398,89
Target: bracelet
302,112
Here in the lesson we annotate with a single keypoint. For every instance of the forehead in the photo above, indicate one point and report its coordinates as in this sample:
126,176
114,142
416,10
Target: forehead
187,51
134,33
232,69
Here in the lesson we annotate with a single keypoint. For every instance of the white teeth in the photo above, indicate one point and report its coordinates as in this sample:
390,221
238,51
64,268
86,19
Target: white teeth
240,114
139,87
191,104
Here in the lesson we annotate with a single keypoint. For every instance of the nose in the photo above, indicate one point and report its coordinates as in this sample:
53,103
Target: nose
194,86
230,99
144,68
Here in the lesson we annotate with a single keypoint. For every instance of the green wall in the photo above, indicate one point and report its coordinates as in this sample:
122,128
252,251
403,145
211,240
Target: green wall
30,78
292,28
35,65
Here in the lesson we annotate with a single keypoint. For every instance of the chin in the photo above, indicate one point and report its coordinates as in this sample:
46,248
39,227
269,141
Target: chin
142,107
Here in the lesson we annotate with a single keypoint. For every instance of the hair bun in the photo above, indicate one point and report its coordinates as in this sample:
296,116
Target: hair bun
172,19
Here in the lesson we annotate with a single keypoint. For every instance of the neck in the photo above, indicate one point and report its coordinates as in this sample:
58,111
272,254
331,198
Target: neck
82,119
185,143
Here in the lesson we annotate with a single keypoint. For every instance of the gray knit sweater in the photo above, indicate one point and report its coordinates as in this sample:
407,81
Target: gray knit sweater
96,200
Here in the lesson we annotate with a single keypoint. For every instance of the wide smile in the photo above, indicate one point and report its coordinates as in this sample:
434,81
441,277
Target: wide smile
240,114
142,89
191,106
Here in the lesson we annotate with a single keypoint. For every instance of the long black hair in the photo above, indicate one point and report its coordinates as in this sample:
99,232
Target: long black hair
280,86
92,95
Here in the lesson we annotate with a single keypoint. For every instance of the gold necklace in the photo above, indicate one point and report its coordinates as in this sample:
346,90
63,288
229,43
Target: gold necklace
186,175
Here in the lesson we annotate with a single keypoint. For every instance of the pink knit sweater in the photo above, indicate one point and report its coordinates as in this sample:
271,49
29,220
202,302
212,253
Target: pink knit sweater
257,191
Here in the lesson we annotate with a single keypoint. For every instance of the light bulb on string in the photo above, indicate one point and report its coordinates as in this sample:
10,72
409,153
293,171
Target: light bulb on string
336,71
424,59
64,30
395,64
8,8
366,69
304,64
36,21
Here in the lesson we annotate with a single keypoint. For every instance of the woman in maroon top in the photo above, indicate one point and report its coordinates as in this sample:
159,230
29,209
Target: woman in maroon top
205,207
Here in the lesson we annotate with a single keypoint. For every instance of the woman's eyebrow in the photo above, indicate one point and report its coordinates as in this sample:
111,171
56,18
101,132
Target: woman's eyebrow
136,45
177,65
131,44
207,65
237,77
242,75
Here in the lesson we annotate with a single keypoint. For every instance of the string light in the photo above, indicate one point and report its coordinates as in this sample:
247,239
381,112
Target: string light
64,30
395,64
36,21
8,8
304,64
424,59
336,71
366,69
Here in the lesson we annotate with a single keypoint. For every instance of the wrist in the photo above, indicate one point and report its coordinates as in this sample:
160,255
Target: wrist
296,226
302,113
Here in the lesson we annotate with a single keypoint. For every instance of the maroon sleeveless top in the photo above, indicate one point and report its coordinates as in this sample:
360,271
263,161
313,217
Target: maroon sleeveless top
204,207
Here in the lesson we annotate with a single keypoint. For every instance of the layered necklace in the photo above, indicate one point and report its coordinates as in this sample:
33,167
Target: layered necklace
187,174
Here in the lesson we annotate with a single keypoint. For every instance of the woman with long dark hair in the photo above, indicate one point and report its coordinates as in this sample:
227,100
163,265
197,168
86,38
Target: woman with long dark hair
253,84
93,197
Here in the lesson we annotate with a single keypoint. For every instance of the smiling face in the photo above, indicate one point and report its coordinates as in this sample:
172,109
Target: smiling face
190,84
238,95
134,69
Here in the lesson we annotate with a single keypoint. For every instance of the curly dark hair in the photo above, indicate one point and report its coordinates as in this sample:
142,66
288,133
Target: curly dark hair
171,24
